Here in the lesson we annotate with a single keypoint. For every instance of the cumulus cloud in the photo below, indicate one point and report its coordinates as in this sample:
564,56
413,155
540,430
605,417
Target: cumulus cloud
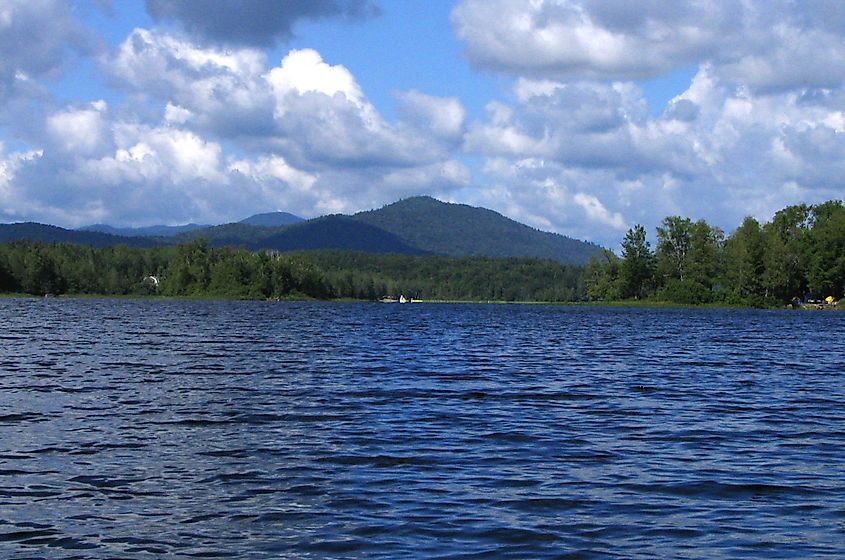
576,148
587,159
218,90
764,44
586,124
78,130
213,134
252,22
591,39
444,116
313,113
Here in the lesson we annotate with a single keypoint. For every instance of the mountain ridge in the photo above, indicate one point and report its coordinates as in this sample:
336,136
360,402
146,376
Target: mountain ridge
464,230
413,226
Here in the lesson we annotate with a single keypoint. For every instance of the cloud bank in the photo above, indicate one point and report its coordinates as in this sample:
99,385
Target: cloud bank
576,147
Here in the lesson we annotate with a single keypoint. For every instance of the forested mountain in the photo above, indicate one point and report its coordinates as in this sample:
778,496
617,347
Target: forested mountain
52,234
460,230
237,234
272,219
414,226
336,232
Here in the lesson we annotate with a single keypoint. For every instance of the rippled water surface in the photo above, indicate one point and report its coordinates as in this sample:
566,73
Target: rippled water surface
155,429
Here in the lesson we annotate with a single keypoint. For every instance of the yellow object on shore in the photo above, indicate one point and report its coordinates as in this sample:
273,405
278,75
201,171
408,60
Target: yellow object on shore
829,300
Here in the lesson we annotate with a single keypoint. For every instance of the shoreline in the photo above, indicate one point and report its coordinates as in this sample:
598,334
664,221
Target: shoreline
640,304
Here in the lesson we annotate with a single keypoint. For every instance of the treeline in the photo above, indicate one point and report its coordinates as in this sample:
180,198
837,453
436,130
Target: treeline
196,269
800,252
367,275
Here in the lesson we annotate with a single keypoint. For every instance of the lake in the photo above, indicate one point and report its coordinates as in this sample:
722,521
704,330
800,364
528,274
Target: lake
199,429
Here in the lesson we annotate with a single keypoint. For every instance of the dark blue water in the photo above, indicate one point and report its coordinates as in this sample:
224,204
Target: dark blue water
151,429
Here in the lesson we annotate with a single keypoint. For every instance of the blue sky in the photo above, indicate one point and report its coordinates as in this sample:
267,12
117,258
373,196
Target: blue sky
583,117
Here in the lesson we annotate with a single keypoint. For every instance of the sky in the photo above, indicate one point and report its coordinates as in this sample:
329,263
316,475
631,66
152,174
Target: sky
582,117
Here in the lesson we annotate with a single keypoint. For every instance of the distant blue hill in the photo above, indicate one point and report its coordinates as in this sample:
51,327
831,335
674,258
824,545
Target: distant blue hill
269,219
148,231
272,219
53,234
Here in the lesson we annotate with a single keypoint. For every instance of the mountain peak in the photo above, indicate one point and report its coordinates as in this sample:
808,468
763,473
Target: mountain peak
459,229
272,219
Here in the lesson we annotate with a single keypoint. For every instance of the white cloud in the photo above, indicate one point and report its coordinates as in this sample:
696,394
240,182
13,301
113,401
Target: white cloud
596,211
303,71
306,110
764,44
274,167
207,81
592,39
586,159
444,116
175,114
214,134
79,131
14,206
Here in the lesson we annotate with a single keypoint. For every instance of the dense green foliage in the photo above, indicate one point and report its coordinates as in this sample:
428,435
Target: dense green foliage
197,269
800,252
365,276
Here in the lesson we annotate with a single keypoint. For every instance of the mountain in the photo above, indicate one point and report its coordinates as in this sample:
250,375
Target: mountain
148,231
52,234
335,232
414,226
268,220
229,234
460,230
272,219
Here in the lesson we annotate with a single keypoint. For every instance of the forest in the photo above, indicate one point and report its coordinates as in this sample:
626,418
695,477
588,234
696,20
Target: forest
798,255
195,269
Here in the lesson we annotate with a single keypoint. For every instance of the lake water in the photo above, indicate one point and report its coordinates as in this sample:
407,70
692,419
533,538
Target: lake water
160,429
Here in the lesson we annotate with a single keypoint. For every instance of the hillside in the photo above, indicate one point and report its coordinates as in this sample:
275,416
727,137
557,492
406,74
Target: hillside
414,226
229,234
53,234
461,230
336,232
